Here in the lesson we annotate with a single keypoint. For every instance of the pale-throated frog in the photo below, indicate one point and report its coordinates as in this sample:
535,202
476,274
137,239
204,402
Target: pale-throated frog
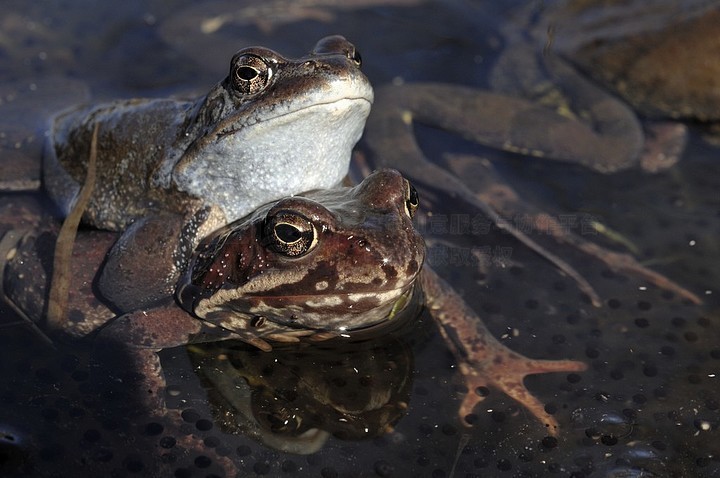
338,264
274,126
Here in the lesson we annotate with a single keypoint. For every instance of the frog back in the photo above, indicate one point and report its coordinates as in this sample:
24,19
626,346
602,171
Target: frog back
134,136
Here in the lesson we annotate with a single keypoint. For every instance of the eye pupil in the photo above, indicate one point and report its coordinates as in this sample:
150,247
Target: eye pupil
246,73
287,233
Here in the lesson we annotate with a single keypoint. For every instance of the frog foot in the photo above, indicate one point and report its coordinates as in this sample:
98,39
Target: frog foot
506,372
483,361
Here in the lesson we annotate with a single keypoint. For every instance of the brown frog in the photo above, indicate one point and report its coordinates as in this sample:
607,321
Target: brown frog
273,126
343,264
338,264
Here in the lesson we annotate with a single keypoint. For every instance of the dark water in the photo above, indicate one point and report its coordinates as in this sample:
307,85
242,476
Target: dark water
649,404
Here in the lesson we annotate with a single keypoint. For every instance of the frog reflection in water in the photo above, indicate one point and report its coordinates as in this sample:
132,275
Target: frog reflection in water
295,398
274,126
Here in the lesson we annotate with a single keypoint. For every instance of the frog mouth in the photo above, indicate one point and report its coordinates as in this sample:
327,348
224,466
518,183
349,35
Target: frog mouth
337,106
382,319
292,323
340,312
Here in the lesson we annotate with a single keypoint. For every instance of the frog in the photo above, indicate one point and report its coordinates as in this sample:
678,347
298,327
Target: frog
328,266
272,126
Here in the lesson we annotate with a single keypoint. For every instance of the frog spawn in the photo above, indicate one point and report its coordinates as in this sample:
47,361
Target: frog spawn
665,354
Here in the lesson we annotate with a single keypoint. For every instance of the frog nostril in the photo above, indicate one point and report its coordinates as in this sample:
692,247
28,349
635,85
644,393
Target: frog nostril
355,56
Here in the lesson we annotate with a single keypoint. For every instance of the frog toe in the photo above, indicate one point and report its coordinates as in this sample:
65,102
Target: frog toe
508,376
257,342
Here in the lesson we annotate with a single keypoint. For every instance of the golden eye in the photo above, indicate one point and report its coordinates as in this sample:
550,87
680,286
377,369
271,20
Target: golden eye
250,74
290,234
412,200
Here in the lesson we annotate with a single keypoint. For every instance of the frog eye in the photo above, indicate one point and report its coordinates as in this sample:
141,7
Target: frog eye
412,200
250,74
290,233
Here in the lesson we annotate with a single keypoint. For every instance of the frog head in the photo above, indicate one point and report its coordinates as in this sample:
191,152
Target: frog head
327,263
275,126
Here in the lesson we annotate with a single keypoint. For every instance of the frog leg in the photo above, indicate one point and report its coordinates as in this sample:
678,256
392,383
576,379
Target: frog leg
392,144
141,334
161,326
140,268
652,145
612,141
148,258
390,139
549,80
503,199
482,360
